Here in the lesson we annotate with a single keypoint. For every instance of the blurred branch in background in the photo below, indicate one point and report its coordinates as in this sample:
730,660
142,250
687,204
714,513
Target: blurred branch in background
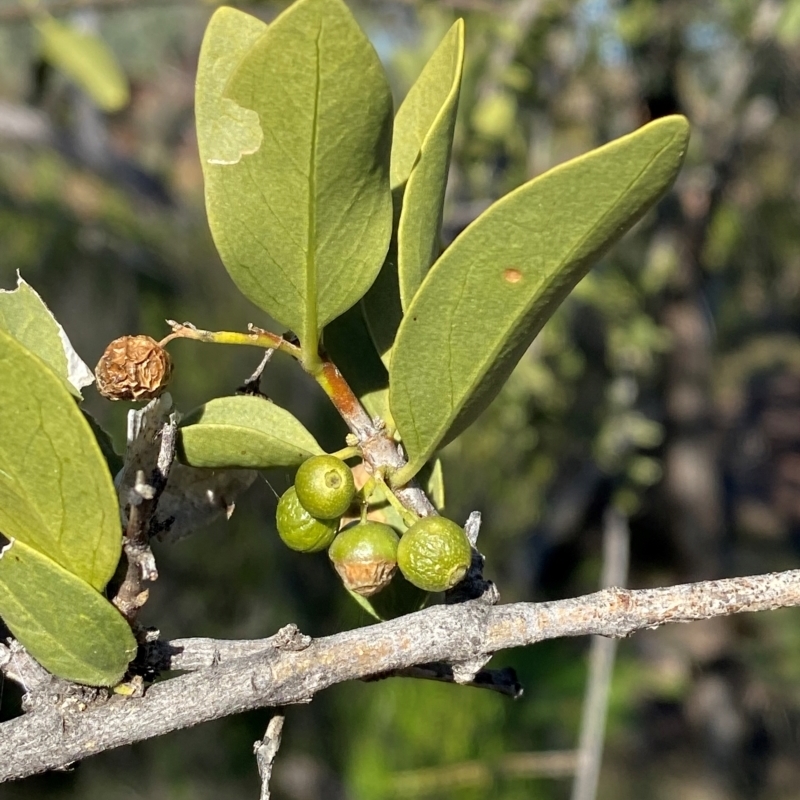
483,775
616,553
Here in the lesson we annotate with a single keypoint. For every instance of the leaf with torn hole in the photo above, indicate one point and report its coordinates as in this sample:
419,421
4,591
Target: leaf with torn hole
489,294
24,315
56,493
65,624
303,223
225,130
246,432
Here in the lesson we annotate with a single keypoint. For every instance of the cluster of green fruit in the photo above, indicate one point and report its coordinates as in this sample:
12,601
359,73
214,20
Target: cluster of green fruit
433,554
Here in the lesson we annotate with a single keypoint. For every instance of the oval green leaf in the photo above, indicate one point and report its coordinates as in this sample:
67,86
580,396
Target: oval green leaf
65,624
85,58
25,316
421,145
56,493
487,297
302,219
246,432
225,131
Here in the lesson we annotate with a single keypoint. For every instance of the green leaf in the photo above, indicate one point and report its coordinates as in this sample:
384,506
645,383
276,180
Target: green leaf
225,130
65,624
398,599
86,59
423,137
302,219
114,460
421,144
489,294
245,431
349,345
56,493
24,315
434,483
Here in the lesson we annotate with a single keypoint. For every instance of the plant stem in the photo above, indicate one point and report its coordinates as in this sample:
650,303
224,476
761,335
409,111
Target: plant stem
377,448
408,516
255,337
347,452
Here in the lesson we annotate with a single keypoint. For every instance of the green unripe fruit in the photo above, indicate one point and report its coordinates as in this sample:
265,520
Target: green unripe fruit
434,554
298,529
365,556
325,486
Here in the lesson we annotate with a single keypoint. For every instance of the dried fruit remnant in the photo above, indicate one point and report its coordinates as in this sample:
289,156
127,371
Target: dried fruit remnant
133,368
365,556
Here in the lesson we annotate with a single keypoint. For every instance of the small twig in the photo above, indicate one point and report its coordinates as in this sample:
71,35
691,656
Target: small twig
19,666
255,337
474,586
266,749
616,546
144,497
253,384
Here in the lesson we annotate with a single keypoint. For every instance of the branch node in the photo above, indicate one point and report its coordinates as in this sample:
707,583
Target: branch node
290,638
474,586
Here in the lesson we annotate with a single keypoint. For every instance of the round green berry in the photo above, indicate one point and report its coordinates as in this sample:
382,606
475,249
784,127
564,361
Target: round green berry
325,486
434,554
365,556
298,529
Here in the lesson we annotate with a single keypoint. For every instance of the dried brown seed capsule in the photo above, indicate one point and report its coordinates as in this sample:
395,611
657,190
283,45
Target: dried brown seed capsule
133,368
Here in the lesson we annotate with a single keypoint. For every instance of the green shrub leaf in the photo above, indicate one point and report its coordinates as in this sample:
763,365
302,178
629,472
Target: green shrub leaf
245,431
56,493
85,58
65,624
225,130
485,299
302,219
421,144
24,315
423,137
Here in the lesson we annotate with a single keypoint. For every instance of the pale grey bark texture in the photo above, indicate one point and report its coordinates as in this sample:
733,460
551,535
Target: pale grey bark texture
66,724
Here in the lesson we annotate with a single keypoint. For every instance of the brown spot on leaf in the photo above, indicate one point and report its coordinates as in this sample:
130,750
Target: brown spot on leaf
511,275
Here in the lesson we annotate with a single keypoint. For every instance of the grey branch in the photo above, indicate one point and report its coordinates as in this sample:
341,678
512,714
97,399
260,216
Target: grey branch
292,669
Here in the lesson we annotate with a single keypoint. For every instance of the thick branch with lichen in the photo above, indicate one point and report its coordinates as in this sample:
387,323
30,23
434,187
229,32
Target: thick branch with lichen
291,668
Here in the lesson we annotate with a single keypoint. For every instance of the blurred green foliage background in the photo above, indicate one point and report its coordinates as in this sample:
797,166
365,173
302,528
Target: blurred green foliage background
668,385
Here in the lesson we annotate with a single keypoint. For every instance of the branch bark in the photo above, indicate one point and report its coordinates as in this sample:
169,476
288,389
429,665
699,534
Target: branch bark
293,668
